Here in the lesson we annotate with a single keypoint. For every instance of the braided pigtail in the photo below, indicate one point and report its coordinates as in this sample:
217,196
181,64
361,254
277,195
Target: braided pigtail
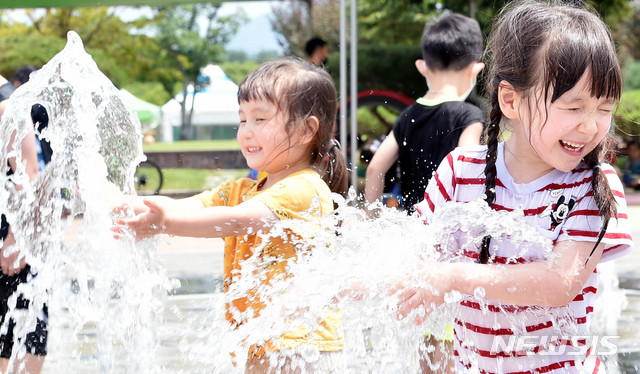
543,50
492,135
333,168
602,194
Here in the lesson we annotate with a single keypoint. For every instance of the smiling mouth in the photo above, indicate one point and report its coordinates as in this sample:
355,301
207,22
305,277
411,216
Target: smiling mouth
253,149
572,147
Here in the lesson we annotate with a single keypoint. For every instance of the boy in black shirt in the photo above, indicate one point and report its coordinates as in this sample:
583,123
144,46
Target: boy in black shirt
439,121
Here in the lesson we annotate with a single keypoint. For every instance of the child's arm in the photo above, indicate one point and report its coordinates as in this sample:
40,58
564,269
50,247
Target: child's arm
167,203
382,160
551,283
164,216
471,134
121,202
30,157
28,153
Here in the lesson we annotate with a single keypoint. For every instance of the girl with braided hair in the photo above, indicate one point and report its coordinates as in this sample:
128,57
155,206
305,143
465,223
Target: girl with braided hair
554,81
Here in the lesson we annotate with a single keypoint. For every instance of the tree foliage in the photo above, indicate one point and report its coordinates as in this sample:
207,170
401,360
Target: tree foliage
190,37
237,71
631,73
296,21
290,22
170,47
389,34
104,34
393,22
628,114
627,33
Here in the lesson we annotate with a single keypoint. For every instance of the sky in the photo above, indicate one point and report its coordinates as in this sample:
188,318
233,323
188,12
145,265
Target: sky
254,36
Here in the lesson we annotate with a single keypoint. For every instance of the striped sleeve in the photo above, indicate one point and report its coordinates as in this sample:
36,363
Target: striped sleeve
584,222
439,190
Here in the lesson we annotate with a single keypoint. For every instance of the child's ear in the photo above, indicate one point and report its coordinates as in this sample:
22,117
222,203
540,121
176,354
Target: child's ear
311,128
422,67
476,68
509,100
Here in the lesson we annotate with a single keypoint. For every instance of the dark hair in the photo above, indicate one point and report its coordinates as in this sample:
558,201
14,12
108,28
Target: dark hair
300,90
313,44
451,42
22,75
556,44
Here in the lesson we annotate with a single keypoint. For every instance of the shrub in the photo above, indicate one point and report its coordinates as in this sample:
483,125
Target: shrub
385,67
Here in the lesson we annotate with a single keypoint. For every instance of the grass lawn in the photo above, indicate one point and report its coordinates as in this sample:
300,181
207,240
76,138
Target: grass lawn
192,145
198,179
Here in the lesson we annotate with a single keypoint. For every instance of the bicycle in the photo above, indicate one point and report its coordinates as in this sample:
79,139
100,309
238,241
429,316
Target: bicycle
148,178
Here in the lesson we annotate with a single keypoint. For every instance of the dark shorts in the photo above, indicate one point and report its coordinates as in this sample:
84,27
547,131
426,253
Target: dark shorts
36,341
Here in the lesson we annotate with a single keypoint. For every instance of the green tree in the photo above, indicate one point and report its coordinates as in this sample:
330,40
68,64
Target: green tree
237,56
266,55
631,74
296,21
628,114
237,71
192,36
152,92
104,34
627,33
393,22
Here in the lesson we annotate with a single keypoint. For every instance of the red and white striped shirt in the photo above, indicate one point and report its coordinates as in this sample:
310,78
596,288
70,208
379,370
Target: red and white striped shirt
560,206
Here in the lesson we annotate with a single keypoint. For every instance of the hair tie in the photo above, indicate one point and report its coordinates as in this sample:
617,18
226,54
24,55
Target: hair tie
333,143
597,167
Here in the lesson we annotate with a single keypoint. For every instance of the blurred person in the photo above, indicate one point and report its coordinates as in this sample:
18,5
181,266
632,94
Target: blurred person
428,130
20,77
441,120
13,274
631,166
317,52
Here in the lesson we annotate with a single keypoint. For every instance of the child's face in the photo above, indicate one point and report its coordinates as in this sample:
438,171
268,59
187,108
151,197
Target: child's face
263,139
575,124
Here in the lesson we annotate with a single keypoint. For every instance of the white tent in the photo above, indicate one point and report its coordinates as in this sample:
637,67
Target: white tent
215,105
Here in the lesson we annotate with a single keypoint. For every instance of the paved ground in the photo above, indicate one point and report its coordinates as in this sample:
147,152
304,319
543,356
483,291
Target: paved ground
192,257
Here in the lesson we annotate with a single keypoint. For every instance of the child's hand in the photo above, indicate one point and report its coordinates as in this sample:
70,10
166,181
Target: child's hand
411,298
146,224
428,295
355,291
121,203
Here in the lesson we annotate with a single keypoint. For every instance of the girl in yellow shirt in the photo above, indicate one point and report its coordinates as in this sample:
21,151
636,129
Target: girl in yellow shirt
287,115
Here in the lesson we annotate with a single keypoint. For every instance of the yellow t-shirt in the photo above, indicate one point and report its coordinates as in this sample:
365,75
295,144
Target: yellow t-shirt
301,196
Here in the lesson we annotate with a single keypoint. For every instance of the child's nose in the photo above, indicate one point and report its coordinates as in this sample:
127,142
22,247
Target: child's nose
244,132
589,124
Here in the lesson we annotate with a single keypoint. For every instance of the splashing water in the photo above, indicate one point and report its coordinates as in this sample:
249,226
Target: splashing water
372,254
118,287
375,254
96,141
